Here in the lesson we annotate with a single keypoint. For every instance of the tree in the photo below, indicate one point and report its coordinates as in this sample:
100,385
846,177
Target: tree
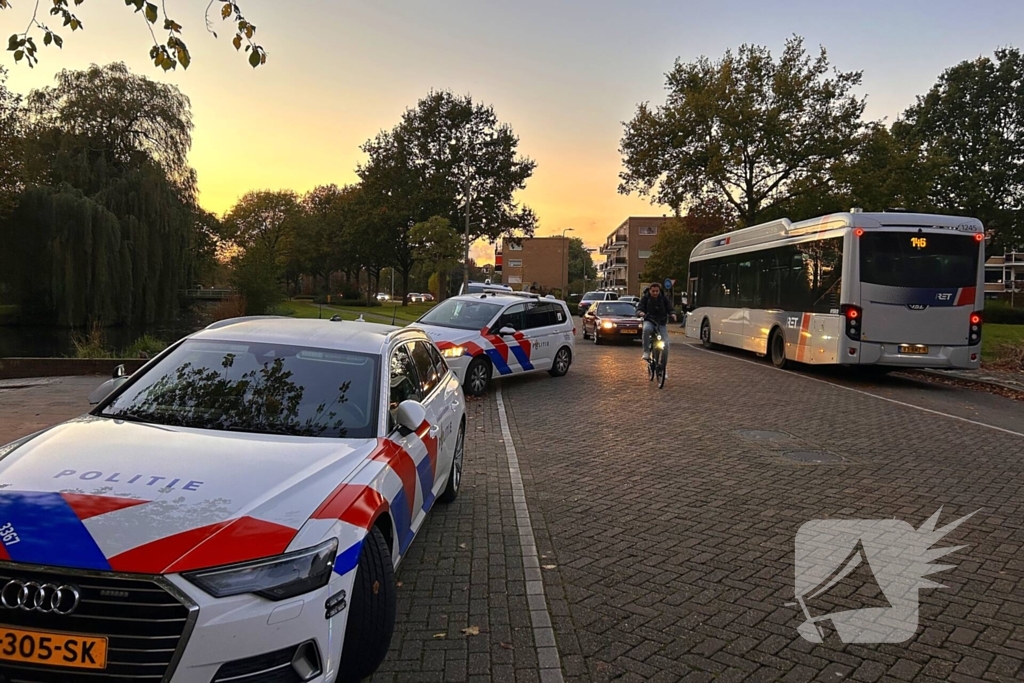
670,254
581,264
264,218
970,125
436,244
166,55
257,274
747,130
446,154
125,118
11,147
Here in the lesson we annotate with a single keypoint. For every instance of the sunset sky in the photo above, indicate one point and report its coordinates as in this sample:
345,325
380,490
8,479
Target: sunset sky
563,73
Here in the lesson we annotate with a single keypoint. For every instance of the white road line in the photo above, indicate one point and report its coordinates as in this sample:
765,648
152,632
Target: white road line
856,391
540,617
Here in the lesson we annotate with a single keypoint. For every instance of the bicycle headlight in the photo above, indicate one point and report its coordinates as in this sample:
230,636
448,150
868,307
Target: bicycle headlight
660,344
275,578
454,352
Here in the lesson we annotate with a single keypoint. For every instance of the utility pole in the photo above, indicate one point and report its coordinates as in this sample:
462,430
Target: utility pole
565,251
465,255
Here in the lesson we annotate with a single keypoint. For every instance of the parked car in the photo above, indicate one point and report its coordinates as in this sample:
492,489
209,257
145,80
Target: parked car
427,297
593,297
383,296
236,506
480,334
611,321
631,299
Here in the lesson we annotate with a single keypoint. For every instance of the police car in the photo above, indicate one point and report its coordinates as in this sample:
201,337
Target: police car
503,333
233,511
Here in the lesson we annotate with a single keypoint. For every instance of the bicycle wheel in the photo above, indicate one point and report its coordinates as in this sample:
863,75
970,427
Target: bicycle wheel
650,370
661,375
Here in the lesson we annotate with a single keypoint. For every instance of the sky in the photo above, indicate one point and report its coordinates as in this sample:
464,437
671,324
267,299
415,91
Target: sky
564,73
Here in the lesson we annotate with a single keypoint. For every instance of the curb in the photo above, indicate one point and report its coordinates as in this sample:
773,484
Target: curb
987,383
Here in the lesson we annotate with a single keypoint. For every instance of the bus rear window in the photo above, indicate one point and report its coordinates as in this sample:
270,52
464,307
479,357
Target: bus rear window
912,259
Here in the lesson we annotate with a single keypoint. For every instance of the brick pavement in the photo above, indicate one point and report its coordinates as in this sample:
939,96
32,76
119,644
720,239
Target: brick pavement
672,529
36,404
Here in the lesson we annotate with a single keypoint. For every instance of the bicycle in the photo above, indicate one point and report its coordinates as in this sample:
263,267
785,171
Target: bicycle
656,363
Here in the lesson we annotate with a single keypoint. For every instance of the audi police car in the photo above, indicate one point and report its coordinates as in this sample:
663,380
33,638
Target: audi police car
233,511
503,332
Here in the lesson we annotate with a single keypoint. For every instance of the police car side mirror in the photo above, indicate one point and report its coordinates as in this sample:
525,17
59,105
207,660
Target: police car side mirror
507,331
106,389
410,415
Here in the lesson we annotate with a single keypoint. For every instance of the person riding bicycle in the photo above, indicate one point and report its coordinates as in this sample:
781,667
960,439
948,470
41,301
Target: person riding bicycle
655,308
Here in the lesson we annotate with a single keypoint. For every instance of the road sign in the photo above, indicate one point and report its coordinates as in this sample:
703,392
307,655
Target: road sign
669,282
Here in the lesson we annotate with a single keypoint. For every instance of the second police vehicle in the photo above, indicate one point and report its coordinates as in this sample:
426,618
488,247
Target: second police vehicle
889,289
500,333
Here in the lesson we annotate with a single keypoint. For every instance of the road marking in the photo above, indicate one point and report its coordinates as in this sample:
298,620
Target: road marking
540,617
856,391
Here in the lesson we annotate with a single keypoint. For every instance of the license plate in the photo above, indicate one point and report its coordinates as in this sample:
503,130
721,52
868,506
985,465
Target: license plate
628,331
53,649
913,348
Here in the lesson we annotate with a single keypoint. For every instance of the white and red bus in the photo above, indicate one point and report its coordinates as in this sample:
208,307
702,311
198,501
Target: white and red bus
889,289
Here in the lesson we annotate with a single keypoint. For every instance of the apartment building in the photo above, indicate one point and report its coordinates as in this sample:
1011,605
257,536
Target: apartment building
1004,274
626,252
541,262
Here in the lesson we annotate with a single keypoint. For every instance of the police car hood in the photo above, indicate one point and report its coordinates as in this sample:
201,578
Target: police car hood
453,335
95,493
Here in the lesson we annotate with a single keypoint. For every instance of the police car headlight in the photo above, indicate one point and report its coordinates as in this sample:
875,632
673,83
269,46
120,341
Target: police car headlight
276,578
454,352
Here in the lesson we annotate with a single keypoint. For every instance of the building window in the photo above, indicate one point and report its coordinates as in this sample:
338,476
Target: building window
515,263
515,246
644,254
515,279
648,230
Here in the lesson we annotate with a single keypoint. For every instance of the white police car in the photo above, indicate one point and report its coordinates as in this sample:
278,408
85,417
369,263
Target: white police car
233,511
504,333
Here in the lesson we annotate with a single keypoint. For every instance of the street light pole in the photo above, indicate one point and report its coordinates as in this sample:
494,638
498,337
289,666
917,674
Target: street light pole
465,255
565,247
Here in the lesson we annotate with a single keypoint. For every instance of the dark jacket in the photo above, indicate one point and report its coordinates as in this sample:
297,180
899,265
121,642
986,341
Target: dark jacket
656,309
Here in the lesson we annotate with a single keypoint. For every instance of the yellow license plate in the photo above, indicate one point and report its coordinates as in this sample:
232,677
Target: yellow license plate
53,649
913,348
628,331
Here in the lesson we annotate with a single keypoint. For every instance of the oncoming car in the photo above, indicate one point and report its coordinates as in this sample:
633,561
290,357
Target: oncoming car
480,334
611,320
233,511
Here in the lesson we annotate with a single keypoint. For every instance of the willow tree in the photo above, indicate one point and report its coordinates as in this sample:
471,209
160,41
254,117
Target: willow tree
112,213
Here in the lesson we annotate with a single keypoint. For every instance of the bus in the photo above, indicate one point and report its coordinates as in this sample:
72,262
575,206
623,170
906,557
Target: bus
885,290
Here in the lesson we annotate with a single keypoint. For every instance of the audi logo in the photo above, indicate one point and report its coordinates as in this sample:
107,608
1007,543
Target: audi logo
39,597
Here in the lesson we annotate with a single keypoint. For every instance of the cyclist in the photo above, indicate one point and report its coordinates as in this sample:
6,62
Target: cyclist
656,309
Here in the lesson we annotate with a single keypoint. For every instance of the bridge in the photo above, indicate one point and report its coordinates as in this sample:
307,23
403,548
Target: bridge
207,294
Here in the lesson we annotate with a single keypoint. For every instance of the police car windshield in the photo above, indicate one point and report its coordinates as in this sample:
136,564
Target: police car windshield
256,387
462,314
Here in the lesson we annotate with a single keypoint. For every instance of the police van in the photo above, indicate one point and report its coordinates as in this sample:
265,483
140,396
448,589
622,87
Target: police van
500,333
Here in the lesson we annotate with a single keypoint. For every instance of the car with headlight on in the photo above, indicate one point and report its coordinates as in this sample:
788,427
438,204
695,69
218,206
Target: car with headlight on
504,333
232,511
611,321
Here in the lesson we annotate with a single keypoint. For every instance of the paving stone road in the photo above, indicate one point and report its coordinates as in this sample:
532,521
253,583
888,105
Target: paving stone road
665,522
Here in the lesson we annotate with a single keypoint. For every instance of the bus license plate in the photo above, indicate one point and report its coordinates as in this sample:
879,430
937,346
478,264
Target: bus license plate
913,348
53,649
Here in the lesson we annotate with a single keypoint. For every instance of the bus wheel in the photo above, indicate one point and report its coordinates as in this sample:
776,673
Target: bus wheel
777,348
705,334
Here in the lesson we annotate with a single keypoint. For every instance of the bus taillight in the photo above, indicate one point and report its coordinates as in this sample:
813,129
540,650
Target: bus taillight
975,334
979,237
853,320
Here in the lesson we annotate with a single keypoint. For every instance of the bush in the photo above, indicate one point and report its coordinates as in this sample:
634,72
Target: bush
90,345
144,347
232,307
1010,357
1001,313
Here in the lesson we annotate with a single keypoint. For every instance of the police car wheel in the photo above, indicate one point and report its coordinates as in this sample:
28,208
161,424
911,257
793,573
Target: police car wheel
478,377
371,616
451,491
562,361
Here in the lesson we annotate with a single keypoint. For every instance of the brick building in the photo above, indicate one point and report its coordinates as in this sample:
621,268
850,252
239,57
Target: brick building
626,252
533,261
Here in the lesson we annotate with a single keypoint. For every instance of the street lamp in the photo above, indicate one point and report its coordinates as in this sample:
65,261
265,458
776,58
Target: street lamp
565,248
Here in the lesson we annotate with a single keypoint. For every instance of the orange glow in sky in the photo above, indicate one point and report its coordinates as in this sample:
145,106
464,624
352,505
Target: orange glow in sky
563,74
